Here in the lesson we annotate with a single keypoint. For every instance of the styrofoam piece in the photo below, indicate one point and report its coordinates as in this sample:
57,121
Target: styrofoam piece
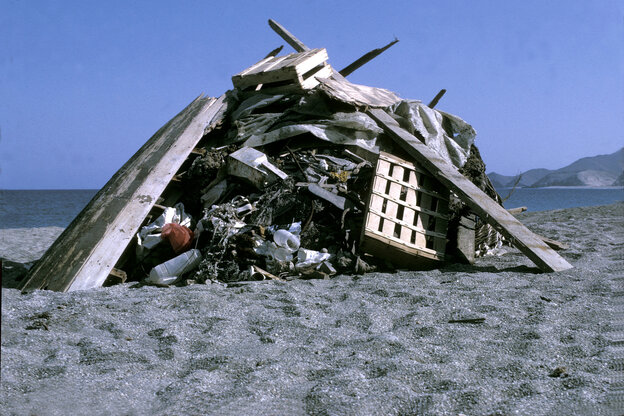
253,166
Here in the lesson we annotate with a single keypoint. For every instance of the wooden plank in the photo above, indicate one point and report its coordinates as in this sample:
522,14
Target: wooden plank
287,36
85,253
505,223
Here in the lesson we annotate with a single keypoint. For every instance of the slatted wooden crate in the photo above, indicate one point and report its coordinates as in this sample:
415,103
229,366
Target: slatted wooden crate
297,71
406,219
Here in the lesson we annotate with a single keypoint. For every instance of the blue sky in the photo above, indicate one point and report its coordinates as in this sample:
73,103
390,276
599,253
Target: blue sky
83,84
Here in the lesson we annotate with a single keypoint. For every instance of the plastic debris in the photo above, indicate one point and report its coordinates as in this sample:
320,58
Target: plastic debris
169,271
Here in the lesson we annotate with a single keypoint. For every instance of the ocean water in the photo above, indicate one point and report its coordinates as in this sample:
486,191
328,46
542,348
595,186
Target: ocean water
29,208
543,199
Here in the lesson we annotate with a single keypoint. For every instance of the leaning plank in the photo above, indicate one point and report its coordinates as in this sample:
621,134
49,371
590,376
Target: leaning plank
86,252
505,223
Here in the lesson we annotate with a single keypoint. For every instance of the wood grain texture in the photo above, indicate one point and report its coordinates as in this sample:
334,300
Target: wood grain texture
86,252
505,223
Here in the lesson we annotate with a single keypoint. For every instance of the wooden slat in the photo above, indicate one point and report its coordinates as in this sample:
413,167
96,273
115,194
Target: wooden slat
520,236
88,249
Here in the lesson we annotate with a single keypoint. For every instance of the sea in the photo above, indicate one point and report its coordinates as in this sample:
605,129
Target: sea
57,208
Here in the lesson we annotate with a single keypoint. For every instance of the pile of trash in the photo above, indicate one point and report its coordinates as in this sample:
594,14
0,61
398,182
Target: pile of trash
280,190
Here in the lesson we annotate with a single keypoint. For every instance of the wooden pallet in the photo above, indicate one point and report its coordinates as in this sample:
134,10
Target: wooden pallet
406,218
297,70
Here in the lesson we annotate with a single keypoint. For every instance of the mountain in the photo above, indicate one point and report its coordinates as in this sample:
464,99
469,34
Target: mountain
601,170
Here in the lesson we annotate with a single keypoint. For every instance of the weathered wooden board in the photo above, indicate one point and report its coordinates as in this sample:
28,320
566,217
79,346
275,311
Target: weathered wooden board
86,252
505,223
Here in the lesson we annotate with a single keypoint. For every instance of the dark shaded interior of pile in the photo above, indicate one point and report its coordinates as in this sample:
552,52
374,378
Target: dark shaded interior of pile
298,166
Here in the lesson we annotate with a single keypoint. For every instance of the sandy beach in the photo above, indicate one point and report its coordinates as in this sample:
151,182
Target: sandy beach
496,338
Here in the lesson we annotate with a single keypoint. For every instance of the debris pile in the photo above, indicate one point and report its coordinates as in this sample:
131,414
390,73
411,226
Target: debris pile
282,188
295,172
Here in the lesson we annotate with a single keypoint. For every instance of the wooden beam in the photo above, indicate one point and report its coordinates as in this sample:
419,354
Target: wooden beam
365,58
288,37
86,252
484,206
435,100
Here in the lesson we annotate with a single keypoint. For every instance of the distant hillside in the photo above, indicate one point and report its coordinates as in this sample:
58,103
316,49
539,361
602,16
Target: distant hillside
601,170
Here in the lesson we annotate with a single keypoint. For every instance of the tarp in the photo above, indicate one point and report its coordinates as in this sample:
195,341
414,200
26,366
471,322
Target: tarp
265,118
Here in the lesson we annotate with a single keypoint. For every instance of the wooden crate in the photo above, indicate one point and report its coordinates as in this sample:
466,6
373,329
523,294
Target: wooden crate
406,218
297,71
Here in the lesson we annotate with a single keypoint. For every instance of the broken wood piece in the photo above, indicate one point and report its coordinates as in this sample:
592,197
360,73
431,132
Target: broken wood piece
274,52
514,211
435,100
199,151
85,253
115,277
554,244
365,59
336,200
484,206
265,273
288,37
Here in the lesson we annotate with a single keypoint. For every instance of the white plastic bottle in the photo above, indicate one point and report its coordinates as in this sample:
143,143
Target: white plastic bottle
169,271
286,240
